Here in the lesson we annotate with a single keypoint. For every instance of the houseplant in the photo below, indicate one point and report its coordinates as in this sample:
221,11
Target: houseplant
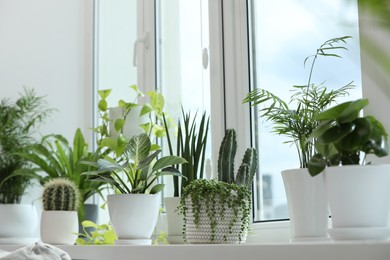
119,124
358,194
19,122
220,211
57,158
191,145
135,179
59,219
296,120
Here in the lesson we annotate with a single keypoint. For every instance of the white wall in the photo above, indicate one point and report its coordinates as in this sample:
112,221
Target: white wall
375,60
47,45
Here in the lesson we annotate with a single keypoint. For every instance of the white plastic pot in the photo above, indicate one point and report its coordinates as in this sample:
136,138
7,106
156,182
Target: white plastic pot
59,227
134,217
359,201
307,205
18,220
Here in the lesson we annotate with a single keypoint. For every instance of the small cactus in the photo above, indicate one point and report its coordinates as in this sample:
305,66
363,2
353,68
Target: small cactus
60,194
227,152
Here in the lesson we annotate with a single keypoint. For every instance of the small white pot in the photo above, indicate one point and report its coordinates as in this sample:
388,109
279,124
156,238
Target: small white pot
359,201
58,227
18,220
307,205
174,220
133,216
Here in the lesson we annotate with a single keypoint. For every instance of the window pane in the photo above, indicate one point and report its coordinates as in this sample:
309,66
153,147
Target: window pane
116,33
284,33
182,41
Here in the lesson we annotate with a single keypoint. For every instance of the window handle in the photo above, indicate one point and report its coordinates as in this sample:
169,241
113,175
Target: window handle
145,41
205,58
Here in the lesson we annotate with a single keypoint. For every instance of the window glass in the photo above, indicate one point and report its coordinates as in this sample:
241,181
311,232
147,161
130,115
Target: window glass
183,74
116,33
283,33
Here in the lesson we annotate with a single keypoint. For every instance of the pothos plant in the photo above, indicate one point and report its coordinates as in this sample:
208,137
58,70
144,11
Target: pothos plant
230,192
138,170
153,127
297,118
344,136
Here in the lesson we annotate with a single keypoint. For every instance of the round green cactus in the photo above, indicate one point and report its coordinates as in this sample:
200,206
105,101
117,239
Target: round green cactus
60,194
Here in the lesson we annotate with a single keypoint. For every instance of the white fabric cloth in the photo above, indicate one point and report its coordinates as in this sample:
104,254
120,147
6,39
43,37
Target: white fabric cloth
37,251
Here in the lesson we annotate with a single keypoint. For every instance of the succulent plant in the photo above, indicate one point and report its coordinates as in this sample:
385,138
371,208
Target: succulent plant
60,194
227,153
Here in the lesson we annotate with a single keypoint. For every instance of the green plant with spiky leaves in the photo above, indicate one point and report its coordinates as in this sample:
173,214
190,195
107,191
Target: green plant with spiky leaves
55,157
191,145
19,121
296,119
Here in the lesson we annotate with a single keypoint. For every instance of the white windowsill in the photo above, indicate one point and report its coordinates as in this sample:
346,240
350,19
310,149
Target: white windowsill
274,251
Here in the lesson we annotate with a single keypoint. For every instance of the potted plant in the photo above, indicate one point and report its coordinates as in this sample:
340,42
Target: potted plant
19,121
191,145
134,208
220,211
56,158
358,193
296,120
59,220
118,124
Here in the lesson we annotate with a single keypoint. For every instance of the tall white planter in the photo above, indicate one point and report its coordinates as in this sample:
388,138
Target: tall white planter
17,220
307,205
59,227
359,201
134,217
174,220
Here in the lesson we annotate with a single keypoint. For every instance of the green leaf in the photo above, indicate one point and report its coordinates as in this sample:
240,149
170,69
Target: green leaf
119,123
104,93
136,89
157,102
157,188
88,223
79,145
146,109
336,133
148,160
138,147
102,105
167,161
353,141
316,164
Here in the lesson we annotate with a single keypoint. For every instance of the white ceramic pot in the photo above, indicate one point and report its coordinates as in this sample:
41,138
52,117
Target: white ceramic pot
359,201
58,227
174,220
18,220
134,216
307,205
203,233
